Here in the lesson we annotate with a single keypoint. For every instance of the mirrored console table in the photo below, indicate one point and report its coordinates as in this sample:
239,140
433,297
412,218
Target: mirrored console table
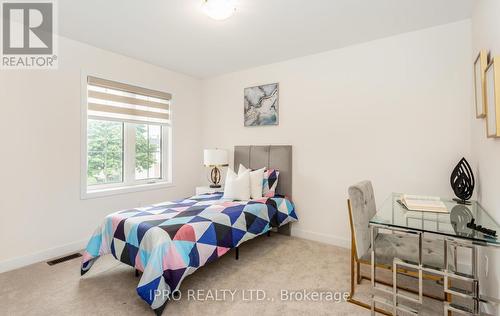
454,230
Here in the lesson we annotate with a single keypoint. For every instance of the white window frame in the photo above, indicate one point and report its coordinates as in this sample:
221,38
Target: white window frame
129,184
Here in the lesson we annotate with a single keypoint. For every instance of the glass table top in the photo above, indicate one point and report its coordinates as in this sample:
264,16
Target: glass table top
393,214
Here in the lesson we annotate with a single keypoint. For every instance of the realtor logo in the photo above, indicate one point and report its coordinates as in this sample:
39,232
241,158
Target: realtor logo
28,35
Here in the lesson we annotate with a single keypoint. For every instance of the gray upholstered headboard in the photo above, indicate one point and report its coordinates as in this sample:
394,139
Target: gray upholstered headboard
276,157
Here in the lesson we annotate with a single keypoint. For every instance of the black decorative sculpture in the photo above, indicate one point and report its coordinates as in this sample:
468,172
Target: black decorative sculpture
462,181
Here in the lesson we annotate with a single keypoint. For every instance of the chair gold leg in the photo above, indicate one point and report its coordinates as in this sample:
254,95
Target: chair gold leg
358,272
355,264
352,274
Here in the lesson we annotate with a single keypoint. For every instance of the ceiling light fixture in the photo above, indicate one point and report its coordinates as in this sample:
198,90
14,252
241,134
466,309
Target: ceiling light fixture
219,9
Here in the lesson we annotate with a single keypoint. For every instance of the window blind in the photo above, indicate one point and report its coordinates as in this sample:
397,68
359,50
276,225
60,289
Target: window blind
112,100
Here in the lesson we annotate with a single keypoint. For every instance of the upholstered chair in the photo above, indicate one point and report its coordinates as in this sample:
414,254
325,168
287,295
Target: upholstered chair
362,207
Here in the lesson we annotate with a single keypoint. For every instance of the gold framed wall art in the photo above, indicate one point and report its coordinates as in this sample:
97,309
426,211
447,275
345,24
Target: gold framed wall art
492,97
480,64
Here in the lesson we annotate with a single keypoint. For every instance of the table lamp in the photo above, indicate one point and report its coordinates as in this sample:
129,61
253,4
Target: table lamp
215,158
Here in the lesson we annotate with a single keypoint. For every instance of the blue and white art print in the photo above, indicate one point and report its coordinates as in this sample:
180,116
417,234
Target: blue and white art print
261,105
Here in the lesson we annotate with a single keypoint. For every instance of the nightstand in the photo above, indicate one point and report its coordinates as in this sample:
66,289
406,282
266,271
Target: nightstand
207,189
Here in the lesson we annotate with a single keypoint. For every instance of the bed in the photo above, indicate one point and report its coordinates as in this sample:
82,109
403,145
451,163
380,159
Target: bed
171,240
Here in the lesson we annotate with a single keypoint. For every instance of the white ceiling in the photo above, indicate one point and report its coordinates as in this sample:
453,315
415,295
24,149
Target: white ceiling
175,34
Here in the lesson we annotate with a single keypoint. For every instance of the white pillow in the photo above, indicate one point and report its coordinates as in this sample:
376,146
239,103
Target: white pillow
237,187
256,181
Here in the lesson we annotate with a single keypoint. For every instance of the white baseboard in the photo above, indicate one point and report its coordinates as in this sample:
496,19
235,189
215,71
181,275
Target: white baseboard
324,238
19,262
43,255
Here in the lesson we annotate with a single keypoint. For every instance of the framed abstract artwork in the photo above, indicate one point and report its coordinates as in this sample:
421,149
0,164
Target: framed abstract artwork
261,105
480,64
492,97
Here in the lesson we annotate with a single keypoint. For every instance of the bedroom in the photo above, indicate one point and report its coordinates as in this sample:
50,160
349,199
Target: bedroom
326,93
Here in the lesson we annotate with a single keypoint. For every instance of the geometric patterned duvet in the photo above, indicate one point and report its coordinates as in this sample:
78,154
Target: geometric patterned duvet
171,240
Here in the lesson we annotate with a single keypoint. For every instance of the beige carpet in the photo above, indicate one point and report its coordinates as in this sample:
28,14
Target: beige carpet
269,264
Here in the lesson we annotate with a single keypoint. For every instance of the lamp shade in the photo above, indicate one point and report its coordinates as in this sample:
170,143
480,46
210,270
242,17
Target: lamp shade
215,157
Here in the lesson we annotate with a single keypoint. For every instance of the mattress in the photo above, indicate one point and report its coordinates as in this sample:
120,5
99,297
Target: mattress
171,240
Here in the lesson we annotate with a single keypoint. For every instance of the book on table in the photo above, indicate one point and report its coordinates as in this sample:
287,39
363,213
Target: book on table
423,203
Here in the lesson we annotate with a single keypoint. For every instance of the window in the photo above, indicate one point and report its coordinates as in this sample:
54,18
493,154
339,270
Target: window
104,152
147,151
128,143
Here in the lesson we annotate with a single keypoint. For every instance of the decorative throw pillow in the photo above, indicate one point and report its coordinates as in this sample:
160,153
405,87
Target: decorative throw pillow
256,183
237,187
270,182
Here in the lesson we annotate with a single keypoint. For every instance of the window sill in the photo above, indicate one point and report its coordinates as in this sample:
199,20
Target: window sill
91,194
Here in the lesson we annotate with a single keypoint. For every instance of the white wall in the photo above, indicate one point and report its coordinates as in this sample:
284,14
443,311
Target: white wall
350,115
486,151
41,213
394,110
